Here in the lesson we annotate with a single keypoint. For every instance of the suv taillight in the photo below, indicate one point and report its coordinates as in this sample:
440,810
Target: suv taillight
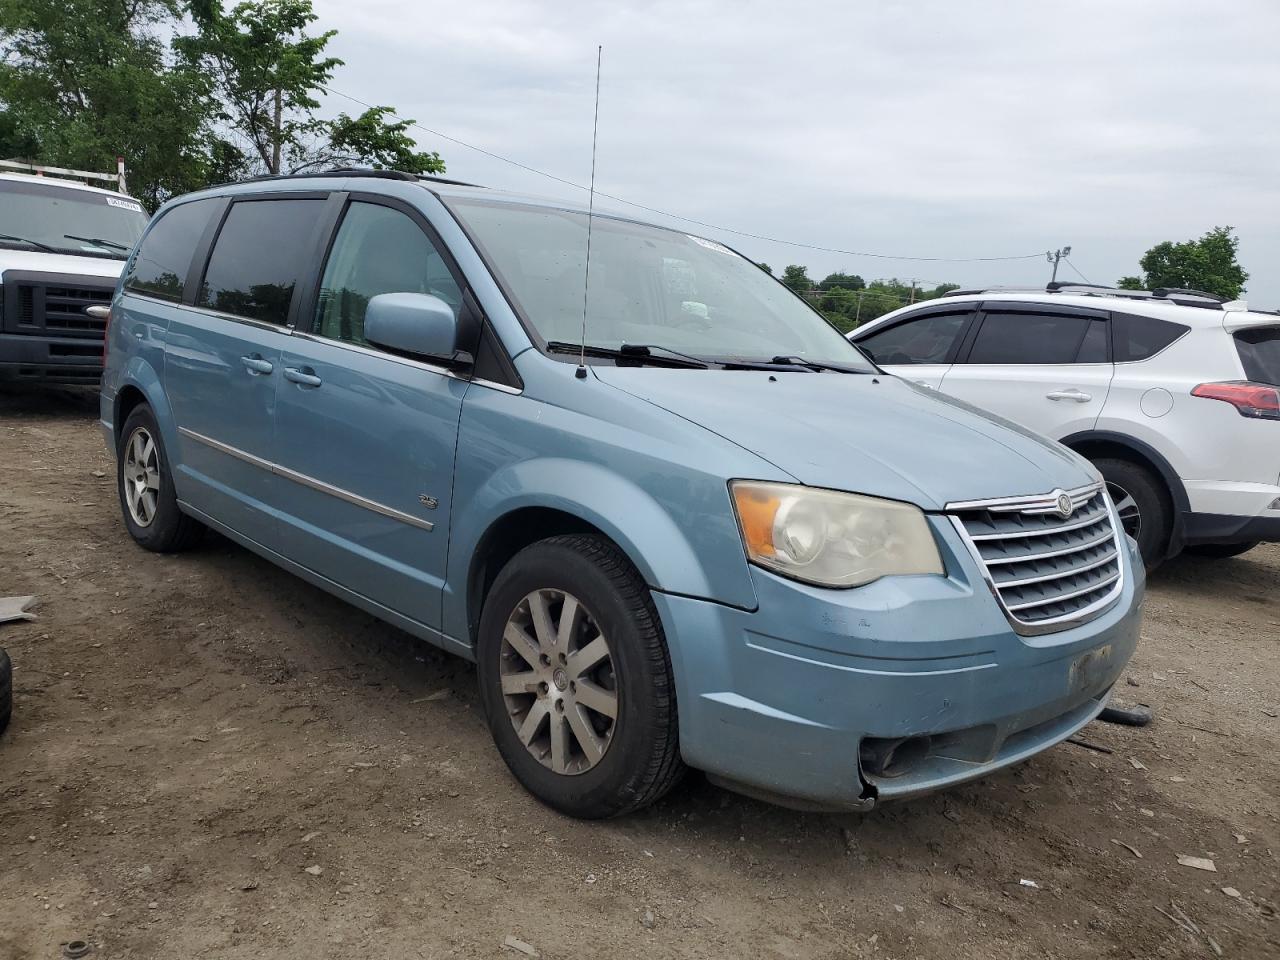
1256,400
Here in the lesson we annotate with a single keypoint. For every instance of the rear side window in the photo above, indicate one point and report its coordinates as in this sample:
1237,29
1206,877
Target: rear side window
258,258
924,340
1029,338
159,268
1259,351
1136,338
1093,349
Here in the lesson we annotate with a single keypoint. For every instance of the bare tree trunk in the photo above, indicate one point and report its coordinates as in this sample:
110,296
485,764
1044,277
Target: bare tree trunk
275,138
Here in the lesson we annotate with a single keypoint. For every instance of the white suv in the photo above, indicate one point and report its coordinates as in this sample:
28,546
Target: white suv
1172,394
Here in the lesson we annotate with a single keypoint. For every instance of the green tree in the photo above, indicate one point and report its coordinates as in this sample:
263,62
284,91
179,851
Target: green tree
1130,283
1207,264
85,81
267,71
797,278
766,268
845,281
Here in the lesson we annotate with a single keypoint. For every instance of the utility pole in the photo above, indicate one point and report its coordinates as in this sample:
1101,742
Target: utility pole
1055,257
911,297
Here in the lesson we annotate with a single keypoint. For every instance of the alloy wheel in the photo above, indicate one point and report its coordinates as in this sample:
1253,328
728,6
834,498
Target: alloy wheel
141,477
1127,508
558,681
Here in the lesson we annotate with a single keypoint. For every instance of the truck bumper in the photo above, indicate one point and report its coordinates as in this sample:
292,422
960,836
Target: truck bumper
27,357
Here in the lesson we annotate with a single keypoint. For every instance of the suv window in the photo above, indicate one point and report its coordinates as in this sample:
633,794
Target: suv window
1093,349
927,339
1259,351
159,268
1013,337
1137,337
377,250
260,253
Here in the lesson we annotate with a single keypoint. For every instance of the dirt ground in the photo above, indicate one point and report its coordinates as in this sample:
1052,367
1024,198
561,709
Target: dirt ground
210,758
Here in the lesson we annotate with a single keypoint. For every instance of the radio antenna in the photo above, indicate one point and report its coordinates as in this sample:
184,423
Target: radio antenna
581,372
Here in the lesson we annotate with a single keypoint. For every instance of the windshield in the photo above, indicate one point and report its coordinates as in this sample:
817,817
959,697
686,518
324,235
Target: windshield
39,216
650,286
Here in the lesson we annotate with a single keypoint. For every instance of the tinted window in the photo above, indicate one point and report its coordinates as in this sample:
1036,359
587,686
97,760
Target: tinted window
258,258
1093,349
926,340
377,250
1260,353
1137,338
160,266
1028,338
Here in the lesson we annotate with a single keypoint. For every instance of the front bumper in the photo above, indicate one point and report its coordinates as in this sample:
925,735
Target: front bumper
777,702
50,359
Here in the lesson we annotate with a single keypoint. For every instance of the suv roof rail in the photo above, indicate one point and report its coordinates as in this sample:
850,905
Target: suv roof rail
1179,295
363,172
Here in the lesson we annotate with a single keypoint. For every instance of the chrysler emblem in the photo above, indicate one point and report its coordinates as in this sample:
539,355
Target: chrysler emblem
1065,506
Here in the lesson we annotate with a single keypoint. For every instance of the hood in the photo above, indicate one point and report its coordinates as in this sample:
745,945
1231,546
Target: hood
878,435
38,261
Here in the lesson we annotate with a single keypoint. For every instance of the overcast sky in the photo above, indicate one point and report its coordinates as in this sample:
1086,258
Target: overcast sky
925,129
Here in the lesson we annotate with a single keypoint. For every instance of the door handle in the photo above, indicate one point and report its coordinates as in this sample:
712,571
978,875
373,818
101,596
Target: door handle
302,376
255,364
1079,396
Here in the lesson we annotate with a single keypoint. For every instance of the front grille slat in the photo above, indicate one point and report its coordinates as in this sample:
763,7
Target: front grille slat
59,309
1048,571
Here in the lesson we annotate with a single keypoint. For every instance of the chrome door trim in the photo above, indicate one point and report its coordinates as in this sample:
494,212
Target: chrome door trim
308,481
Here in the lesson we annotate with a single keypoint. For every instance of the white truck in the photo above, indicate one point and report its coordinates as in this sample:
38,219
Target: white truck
62,247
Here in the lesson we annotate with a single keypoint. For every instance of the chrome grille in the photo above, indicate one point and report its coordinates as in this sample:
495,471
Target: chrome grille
1048,571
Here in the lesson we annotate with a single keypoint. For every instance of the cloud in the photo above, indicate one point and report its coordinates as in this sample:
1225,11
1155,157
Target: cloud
926,128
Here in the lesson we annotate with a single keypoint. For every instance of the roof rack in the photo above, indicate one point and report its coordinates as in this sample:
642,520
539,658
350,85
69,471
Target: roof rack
1182,297
364,172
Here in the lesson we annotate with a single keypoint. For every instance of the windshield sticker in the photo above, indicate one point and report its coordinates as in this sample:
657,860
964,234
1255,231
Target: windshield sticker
124,204
710,244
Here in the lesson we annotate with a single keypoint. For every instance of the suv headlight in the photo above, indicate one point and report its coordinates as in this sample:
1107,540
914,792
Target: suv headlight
830,538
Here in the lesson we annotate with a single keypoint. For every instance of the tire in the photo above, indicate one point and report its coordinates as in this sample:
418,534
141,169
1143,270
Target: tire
640,760
1137,489
1220,551
155,522
6,690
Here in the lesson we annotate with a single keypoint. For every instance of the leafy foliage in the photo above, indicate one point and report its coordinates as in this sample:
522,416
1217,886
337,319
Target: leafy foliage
797,278
1207,264
844,281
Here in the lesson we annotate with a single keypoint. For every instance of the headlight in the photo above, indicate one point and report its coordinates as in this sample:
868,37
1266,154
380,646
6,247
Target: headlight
829,538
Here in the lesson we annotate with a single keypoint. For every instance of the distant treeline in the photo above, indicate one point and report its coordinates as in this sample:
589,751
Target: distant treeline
847,300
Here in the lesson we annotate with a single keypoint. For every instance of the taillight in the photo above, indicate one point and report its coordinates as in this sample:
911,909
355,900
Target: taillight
1256,400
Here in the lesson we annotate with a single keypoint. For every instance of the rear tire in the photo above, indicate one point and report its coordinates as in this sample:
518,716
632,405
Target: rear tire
1146,511
1220,551
145,484
6,689
549,713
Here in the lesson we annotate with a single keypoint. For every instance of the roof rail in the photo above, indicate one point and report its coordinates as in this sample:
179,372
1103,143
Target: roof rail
1168,293
1178,295
362,172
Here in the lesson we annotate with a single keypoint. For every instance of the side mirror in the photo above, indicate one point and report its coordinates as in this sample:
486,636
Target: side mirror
417,324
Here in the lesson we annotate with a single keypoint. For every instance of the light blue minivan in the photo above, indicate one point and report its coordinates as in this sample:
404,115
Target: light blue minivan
716,536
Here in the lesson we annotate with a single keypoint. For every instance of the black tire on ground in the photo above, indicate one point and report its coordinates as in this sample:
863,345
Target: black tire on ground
6,689
1220,551
642,760
169,530
1130,482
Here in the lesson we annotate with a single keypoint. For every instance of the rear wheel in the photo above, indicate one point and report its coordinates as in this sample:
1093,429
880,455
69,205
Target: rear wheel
1146,512
575,679
145,483
1221,551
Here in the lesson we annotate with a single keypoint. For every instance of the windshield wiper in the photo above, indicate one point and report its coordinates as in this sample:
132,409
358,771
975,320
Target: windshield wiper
99,241
815,364
638,352
35,243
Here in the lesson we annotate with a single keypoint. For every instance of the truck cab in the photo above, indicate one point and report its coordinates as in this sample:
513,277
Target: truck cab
62,247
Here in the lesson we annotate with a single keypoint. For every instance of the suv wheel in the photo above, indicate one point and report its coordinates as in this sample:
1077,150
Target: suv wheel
1143,504
147,497
1221,551
575,679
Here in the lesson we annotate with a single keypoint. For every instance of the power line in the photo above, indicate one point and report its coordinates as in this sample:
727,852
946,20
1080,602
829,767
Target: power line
676,216
1078,273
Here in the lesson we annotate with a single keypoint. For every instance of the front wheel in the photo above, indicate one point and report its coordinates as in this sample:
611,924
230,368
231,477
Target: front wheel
1146,512
575,679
